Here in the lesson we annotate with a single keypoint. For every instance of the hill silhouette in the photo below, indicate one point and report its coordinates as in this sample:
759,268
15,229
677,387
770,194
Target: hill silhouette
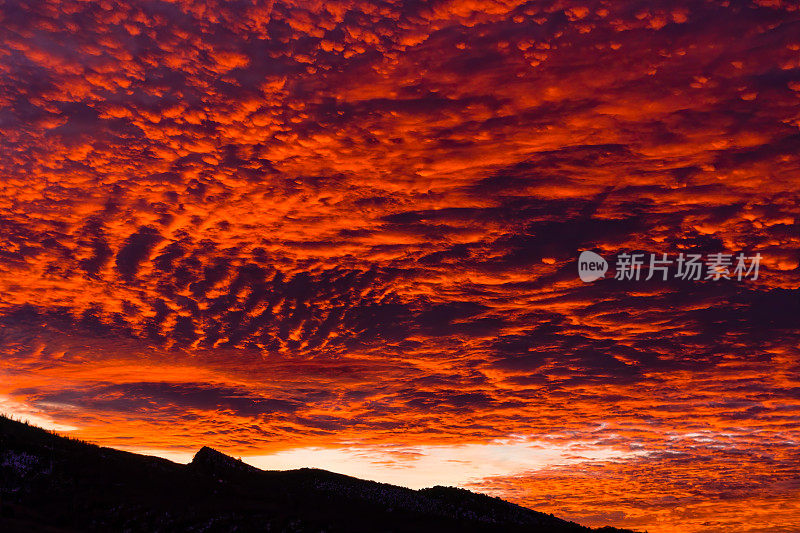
51,483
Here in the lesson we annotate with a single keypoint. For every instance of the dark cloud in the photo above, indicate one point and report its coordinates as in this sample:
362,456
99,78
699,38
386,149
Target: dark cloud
144,396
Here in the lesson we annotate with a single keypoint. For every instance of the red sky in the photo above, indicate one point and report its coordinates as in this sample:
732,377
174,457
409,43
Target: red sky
349,229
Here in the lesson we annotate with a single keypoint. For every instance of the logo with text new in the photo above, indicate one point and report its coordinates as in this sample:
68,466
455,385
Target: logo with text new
591,266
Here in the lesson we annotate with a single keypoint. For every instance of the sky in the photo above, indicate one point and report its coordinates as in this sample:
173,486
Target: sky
345,234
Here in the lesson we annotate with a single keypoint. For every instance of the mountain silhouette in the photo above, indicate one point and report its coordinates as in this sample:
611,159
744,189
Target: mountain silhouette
210,461
50,483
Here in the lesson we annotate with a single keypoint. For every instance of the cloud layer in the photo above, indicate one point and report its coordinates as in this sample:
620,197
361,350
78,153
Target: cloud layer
267,226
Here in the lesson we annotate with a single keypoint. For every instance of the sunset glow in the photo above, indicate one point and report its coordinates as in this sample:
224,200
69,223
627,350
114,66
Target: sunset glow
344,234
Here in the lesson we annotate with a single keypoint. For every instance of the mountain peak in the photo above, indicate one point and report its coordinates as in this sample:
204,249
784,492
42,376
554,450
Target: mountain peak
212,461
207,451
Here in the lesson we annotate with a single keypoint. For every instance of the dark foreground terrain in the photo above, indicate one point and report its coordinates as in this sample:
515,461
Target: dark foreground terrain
50,483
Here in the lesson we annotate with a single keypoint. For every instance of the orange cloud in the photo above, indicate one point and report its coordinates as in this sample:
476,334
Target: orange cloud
335,224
